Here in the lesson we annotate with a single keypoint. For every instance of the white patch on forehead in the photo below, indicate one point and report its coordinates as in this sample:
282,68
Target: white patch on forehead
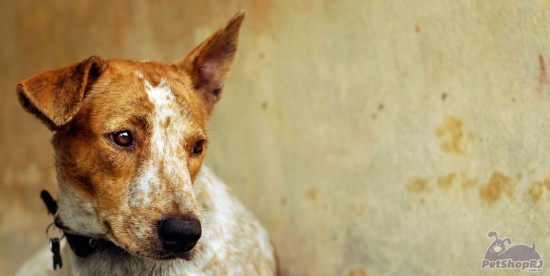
161,95
167,132
163,99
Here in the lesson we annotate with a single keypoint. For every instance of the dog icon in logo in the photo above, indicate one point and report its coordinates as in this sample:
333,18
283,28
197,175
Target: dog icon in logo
519,256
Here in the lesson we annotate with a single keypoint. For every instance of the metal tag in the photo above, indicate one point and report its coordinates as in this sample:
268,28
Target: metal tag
56,255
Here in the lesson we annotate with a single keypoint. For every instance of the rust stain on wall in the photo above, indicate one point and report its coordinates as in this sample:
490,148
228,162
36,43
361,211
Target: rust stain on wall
542,79
465,181
446,181
498,184
450,132
537,189
312,195
418,185
357,272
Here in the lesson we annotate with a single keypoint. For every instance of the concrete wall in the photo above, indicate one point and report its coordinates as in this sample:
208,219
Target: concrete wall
370,137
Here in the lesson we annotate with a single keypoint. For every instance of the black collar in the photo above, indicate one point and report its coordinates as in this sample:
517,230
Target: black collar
82,246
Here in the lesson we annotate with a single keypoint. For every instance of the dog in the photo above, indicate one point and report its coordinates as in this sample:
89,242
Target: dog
134,196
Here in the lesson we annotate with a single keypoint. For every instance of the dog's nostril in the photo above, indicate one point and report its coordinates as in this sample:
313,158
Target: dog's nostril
179,235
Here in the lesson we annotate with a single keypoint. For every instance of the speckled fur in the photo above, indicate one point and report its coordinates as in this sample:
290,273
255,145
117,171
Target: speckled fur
233,243
121,194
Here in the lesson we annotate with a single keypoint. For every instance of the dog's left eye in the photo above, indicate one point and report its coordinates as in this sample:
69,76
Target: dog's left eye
198,147
123,138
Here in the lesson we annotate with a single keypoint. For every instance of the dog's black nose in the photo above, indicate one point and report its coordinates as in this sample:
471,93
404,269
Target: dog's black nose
179,235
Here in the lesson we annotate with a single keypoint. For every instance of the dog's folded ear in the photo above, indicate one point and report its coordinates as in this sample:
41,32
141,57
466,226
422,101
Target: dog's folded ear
208,64
56,96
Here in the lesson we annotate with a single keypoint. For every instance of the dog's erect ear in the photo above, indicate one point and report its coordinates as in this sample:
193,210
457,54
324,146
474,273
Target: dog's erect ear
209,63
55,96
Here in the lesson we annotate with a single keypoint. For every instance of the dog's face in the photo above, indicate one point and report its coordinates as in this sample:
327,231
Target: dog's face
133,150
130,141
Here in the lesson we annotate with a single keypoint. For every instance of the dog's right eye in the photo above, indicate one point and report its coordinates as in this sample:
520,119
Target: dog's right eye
123,138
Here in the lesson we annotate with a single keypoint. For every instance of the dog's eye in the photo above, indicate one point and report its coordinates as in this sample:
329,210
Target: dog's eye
123,138
198,147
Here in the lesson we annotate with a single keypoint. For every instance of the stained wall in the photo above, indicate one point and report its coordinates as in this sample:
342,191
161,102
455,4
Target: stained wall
369,137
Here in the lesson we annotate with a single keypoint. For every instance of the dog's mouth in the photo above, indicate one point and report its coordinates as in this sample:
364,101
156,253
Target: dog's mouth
155,254
154,250
164,255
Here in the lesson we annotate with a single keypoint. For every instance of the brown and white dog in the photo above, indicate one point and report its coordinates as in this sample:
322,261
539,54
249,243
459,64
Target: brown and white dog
129,143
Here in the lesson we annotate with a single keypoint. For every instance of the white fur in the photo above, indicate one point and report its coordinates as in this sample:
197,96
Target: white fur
78,212
165,141
232,244
164,144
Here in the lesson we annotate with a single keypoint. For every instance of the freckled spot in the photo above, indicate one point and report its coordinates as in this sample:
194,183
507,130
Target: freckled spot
498,184
417,28
264,105
536,190
283,201
443,96
261,55
166,122
418,185
381,107
357,272
446,181
373,116
452,137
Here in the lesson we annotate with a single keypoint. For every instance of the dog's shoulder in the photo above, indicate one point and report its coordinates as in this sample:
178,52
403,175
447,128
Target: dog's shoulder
235,236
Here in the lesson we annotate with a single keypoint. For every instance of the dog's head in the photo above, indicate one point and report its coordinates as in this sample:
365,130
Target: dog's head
130,139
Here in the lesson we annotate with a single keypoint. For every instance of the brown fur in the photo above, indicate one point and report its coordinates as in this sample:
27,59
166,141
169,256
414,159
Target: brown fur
85,103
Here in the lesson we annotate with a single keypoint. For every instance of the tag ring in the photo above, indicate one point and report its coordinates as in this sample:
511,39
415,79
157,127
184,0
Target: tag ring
48,232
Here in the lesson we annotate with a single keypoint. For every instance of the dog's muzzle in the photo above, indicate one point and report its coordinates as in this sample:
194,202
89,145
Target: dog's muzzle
178,234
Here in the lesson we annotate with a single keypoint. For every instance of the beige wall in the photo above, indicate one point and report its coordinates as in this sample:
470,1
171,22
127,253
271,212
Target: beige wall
379,137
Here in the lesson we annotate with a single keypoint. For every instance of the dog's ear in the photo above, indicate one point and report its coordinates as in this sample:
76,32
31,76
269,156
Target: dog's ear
55,96
209,63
